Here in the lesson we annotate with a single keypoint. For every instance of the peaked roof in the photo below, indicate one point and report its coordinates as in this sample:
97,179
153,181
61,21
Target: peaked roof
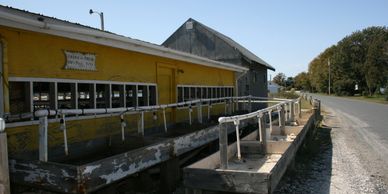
21,19
244,52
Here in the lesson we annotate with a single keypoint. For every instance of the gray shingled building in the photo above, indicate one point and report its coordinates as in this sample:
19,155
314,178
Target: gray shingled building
196,38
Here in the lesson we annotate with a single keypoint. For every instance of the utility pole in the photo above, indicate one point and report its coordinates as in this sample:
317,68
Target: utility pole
101,17
328,63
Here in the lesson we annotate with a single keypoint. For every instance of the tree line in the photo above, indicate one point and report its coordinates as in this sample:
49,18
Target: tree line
358,64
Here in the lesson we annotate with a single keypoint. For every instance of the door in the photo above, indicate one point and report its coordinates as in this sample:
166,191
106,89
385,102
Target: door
166,88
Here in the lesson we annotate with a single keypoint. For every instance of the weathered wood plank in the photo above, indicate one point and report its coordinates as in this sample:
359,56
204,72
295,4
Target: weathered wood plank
51,176
4,171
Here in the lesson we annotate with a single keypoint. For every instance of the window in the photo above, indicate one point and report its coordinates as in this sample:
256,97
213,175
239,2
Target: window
66,95
142,96
130,95
43,95
192,93
117,95
85,95
19,97
186,96
187,93
27,95
152,95
204,93
199,93
180,94
102,96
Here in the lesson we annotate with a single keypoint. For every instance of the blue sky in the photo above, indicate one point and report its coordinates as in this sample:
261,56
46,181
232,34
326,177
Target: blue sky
286,34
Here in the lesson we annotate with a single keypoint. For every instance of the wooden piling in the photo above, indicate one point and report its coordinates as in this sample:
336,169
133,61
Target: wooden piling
4,171
223,140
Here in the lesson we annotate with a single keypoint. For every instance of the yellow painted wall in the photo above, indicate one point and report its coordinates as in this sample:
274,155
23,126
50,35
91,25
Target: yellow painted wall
31,54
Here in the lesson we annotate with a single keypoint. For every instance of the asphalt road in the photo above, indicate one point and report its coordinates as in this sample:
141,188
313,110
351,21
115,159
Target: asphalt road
373,114
366,126
349,153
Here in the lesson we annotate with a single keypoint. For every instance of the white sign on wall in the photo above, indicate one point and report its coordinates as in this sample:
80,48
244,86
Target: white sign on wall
80,61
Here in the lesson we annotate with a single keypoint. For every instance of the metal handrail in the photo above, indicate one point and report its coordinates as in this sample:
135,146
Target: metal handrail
258,114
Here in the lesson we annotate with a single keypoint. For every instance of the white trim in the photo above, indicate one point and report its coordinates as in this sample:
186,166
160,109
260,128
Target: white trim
35,79
108,39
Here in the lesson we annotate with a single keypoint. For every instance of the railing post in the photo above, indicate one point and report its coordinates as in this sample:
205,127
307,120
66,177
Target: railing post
292,113
4,170
223,141
199,112
190,110
122,123
63,128
262,132
43,149
208,111
300,108
270,123
164,120
140,128
281,119
237,123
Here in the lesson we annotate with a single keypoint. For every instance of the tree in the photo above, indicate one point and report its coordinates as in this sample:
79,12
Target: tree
302,82
360,58
280,79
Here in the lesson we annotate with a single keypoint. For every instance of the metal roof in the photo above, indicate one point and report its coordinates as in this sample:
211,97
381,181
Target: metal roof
21,19
245,52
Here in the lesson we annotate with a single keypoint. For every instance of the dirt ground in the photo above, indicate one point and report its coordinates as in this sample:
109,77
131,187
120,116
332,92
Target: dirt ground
337,160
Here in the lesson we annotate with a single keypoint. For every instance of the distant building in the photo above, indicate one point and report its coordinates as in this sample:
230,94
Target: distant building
198,39
273,88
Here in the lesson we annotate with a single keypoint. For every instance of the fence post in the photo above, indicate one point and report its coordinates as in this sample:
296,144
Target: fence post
199,112
223,132
43,150
4,170
190,110
300,108
281,119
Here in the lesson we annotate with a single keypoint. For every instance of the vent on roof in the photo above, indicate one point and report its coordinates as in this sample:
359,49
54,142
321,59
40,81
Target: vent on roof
189,25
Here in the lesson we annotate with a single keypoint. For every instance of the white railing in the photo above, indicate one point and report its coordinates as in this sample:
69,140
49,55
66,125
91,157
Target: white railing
43,115
229,103
281,106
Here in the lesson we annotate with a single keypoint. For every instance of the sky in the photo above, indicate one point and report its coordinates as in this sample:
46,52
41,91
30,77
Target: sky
285,34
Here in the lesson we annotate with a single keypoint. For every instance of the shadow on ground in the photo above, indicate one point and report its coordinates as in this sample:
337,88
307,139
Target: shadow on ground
311,171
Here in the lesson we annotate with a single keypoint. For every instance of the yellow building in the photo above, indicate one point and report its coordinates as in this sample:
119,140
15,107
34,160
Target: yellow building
48,63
